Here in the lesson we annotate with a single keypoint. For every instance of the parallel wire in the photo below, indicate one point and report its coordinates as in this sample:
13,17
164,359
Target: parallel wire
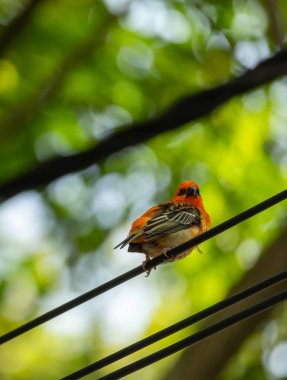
220,306
138,270
192,339
197,337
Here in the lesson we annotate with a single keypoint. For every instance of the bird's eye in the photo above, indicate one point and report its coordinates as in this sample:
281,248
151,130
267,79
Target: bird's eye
197,192
181,192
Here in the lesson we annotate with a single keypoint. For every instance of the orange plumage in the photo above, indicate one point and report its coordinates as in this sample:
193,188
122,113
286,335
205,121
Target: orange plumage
169,224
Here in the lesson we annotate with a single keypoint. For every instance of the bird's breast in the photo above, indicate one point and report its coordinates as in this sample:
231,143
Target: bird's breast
169,241
173,240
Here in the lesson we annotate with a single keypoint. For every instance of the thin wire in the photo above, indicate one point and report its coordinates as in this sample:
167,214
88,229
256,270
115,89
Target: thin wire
70,305
181,324
192,339
225,225
138,270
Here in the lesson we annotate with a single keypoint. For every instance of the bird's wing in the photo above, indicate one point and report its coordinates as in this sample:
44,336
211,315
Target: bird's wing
164,219
139,224
171,220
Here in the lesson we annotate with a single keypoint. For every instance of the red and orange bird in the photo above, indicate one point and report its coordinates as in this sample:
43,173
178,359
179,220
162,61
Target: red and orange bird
169,224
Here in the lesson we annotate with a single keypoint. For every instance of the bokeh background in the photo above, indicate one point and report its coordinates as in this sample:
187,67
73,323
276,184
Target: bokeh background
73,73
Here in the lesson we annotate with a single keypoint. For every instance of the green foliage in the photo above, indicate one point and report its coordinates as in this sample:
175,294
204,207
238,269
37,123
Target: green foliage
76,73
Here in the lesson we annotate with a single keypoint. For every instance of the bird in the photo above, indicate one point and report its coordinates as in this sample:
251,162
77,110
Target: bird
168,225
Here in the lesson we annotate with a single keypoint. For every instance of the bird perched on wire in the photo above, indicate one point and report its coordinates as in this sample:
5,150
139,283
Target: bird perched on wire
169,224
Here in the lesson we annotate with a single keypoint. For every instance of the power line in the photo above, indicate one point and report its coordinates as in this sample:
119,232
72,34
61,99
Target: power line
70,305
192,339
138,270
223,226
180,325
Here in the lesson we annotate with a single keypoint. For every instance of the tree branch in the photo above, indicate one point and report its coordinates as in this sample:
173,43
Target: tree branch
207,359
185,110
16,26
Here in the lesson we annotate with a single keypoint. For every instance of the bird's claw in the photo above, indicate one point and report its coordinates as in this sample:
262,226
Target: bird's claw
147,271
169,259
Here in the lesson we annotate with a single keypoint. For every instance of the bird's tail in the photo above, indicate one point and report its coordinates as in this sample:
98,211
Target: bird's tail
125,242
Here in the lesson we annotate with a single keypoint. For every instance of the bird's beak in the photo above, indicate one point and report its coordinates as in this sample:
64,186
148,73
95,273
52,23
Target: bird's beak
191,191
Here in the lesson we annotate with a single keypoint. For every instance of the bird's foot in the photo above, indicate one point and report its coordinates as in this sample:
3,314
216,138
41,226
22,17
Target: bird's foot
147,271
169,259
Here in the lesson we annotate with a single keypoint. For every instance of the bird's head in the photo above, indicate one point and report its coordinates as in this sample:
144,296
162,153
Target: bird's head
188,192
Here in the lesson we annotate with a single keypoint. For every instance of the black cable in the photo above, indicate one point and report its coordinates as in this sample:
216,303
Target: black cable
192,339
223,226
70,305
138,270
181,325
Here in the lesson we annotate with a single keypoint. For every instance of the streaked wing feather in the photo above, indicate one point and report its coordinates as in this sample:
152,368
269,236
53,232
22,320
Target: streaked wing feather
123,243
170,221
139,224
